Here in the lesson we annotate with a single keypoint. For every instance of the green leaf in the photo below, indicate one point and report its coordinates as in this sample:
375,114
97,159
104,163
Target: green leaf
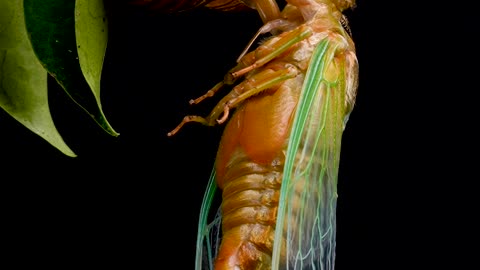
91,35
51,25
23,80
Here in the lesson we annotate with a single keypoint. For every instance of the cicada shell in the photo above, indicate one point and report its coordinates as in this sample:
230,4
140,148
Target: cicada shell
278,159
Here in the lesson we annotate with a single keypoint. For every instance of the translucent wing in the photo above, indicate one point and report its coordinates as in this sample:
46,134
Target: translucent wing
209,233
306,220
306,217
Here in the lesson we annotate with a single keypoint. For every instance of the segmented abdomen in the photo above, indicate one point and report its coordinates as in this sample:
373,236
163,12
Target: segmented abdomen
249,208
251,193
249,167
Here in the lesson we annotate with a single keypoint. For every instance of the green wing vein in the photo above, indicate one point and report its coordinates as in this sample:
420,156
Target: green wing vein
305,230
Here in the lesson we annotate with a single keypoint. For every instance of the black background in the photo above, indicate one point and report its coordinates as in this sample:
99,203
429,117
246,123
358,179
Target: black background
134,200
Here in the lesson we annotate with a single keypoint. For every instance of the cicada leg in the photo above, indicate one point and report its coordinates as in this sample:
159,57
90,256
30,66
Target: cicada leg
273,48
210,93
253,85
268,27
244,60
260,56
247,60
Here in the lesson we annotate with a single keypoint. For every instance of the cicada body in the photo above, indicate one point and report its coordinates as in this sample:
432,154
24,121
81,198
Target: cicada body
278,159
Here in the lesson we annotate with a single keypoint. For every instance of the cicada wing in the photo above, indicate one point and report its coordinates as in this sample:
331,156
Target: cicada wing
306,220
209,232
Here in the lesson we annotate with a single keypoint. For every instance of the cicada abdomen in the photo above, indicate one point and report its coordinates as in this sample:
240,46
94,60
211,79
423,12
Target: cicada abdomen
278,159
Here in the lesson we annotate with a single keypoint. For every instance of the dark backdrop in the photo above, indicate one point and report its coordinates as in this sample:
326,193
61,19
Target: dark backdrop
134,200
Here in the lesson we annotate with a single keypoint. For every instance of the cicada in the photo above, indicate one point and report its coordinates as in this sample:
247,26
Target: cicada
278,159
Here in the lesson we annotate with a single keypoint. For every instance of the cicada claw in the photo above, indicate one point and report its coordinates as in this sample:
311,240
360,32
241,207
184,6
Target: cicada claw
226,111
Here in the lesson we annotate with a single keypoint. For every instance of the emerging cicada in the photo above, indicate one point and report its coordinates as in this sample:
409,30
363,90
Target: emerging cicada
278,159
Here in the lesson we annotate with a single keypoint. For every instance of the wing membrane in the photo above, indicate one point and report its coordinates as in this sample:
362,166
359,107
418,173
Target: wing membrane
208,235
306,220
